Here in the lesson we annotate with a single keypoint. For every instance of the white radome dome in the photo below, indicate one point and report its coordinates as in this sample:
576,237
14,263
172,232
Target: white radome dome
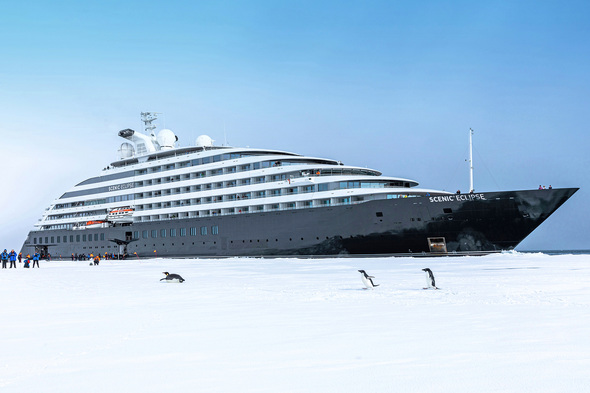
166,139
204,141
127,150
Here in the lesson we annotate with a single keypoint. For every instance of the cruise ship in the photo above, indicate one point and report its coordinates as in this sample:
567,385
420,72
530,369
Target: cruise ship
159,200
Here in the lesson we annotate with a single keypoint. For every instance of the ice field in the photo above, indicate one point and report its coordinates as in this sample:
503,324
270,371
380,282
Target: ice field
501,323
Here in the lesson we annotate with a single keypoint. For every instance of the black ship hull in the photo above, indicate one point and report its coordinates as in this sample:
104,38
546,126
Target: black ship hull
463,223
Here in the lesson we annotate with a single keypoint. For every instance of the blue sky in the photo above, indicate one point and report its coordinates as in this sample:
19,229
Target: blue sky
394,86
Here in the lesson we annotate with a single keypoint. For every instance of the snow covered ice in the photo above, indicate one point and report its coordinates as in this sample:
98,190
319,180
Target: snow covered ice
501,323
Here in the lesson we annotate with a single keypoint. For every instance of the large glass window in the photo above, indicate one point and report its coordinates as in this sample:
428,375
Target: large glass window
163,232
182,231
203,231
193,231
215,230
172,232
144,234
154,233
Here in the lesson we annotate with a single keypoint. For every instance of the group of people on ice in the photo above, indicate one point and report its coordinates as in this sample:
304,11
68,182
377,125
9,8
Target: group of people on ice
11,256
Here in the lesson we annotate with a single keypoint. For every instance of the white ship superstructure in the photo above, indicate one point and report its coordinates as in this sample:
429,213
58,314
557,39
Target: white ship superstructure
163,183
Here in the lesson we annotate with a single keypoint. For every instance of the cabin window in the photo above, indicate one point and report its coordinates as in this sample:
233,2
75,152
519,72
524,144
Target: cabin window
193,231
102,236
447,210
182,231
144,234
215,230
154,233
83,238
204,231
58,239
163,232
172,232
379,214
71,238
78,239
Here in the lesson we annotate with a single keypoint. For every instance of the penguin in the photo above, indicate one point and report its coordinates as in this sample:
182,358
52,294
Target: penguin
429,279
367,280
172,277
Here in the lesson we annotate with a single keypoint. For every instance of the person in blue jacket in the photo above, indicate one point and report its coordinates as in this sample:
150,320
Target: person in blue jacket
4,257
12,257
36,259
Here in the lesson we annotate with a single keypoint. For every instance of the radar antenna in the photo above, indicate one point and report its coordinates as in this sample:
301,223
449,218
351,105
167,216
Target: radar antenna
147,118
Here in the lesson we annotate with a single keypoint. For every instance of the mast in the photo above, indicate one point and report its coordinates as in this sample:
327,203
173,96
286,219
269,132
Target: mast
471,189
147,118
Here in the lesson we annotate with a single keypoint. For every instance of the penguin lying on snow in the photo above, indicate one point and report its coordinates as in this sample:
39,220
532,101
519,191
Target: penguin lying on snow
429,279
367,280
172,277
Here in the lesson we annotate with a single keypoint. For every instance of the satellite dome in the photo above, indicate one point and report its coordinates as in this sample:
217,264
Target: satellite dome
166,139
204,141
126,150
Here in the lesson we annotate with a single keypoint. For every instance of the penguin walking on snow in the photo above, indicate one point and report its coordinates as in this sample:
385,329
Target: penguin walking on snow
172,277
430,283
367,280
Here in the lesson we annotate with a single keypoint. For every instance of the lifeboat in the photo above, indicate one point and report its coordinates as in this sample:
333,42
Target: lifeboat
96,224
91,224
121,214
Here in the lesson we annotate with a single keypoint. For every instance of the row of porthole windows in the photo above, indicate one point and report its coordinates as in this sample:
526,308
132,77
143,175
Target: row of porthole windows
276,240
64,239
173,232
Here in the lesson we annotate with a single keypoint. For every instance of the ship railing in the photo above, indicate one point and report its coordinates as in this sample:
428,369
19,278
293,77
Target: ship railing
237,212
